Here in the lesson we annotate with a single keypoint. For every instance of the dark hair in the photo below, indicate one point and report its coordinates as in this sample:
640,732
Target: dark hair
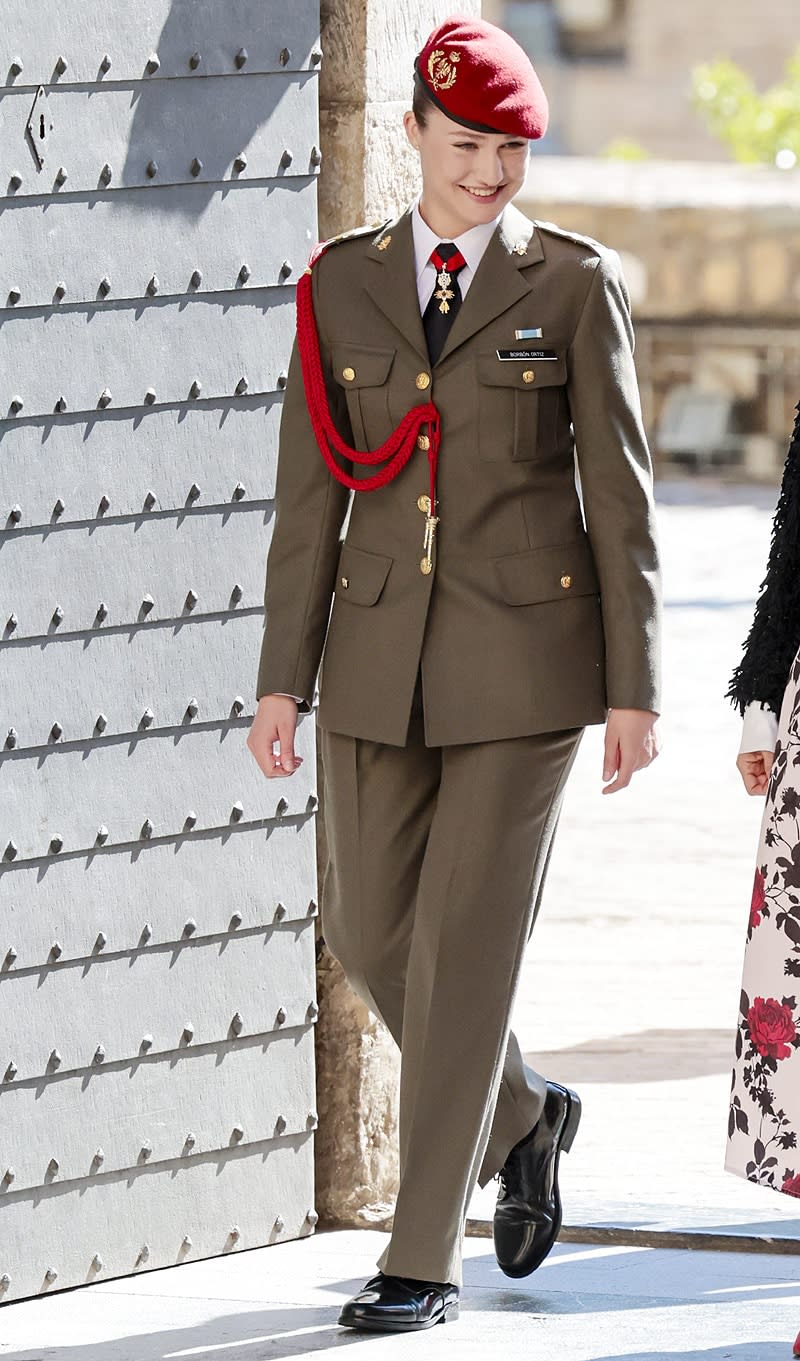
422,102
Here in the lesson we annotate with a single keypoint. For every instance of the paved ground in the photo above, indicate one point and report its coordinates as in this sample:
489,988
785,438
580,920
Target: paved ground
629,991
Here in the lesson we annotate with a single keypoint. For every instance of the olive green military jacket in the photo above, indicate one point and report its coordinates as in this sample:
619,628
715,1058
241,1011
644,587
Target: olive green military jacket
536,616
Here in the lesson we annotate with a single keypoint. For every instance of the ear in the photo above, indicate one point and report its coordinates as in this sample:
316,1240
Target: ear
413,130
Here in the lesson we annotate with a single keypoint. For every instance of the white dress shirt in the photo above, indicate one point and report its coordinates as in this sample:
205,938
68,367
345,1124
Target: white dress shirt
760,728
472,245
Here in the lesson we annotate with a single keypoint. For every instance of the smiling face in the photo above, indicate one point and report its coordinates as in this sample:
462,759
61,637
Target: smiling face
467,177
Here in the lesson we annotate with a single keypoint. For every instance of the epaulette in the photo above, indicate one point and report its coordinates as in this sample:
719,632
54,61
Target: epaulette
577,237
374,229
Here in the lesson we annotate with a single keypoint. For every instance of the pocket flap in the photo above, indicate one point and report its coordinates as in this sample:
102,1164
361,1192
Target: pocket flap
553,573
357,367
361,575
509,373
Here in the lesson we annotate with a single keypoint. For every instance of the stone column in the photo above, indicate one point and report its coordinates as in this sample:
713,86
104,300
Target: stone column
368,173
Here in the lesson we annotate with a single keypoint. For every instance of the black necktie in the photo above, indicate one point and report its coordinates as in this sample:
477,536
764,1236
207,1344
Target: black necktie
446,300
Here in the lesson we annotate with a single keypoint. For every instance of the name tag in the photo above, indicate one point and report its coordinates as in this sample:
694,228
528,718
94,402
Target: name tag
510,355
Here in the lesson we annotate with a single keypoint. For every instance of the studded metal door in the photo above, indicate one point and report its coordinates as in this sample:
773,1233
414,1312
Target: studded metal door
157,196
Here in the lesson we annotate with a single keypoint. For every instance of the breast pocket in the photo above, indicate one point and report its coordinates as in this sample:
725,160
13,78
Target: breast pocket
519,403
364,375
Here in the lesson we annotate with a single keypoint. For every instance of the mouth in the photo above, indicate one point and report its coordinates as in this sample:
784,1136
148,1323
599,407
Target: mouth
483,195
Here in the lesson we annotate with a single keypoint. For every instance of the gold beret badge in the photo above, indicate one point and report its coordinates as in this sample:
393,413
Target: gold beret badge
443,69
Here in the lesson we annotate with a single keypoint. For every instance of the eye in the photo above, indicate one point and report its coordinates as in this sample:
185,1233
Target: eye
466,146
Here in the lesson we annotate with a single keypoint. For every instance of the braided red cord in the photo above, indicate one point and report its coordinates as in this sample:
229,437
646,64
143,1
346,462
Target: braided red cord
400,445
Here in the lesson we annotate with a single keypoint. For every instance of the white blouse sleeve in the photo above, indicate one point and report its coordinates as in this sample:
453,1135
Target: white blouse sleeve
760,728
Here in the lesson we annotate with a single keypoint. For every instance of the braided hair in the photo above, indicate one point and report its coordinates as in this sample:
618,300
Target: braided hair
774,637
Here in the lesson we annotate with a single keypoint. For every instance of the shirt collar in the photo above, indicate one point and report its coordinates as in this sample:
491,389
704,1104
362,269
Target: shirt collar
472,243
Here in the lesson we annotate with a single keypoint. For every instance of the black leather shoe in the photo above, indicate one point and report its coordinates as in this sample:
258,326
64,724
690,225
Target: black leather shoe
527,1217
395,1304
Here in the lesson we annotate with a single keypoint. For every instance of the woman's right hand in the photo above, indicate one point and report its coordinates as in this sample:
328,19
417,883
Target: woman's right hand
754,768
275,724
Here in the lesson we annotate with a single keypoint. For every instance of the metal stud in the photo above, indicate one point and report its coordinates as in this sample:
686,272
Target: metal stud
286,159
237,1134
244,273
240,163
285,56
238,706
281,808
15,181
316,156
56,844
105,174
102,834
237,811
190,927
99,1054
146,1044
102,941
105,65
104,286
313,1011
57,618
104,399
187,1034
10,958
103,504
283,379
144,1254
145,1151
9,1177
97,1262
11,1072
312,803
237,1023
280,1125
147,829
54,1060
58,508
236,593
16,404
194,60
147,933
149,500
280,1018
11,735
279,1224
16,66
61,175
235,1233
101,723
316,57
235,921
61,66
153,64
312,1120
189,1142
151,169
241,386
60,290
5,1281
98,1159
61,404
102,612
312,1218
56,951
312,908
154,285
52,1168
191,600
186,1244
51,1275
192,708
147,603
239,493
150,396
11,851
14,296
15,516
191,819
197,278
241,57
196,388
280,909
285,270
196,166
194,492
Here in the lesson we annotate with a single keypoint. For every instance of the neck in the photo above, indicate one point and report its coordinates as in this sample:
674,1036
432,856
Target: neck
442,223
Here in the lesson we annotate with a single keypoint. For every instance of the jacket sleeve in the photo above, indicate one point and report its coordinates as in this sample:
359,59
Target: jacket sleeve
774,636
617,486
310,507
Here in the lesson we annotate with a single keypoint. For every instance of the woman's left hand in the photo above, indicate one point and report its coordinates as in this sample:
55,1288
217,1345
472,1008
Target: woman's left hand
754,768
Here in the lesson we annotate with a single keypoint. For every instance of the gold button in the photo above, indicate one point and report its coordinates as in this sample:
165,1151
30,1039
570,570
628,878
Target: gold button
424,504
426,567
348,375
529,376
423,443
566,582
423,381
345,582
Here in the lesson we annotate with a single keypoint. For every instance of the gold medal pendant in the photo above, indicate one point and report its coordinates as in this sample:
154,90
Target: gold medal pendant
445,295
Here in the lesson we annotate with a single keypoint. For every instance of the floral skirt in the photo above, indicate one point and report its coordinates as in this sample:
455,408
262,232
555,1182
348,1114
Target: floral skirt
764,1118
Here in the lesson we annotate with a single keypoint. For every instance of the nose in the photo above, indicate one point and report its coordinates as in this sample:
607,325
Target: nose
489,167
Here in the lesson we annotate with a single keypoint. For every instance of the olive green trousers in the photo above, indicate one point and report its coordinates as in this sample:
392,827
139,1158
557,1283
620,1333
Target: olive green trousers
437,857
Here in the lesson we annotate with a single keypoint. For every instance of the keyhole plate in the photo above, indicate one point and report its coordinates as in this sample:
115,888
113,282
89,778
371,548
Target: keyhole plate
39,125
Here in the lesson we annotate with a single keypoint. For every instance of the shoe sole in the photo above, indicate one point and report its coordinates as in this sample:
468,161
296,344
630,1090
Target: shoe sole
564,1145
449,1315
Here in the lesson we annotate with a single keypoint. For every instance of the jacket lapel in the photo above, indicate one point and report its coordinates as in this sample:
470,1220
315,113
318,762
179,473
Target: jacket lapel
391,281
499,282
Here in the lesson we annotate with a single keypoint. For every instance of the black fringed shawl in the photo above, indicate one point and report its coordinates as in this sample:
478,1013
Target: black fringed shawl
775,635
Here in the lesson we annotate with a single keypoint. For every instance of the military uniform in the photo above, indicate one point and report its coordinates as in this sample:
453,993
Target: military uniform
456,678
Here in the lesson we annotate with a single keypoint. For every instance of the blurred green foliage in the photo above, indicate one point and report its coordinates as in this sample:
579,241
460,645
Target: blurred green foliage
756,127
626,149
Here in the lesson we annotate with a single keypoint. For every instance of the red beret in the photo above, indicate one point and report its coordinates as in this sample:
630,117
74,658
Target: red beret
479,76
